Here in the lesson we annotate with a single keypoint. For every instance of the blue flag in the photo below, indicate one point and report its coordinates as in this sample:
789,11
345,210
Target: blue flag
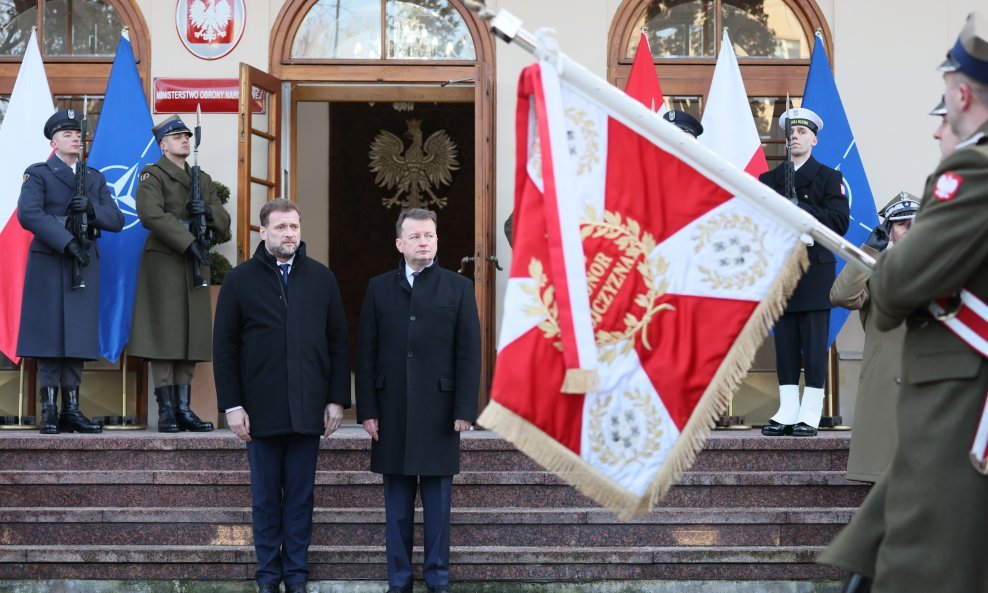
836,148
122,145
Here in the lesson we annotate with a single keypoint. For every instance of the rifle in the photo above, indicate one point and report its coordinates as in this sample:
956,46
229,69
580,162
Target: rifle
790,171
198,225
78,222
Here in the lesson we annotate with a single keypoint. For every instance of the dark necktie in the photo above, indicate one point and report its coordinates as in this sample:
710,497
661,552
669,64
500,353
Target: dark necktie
284,272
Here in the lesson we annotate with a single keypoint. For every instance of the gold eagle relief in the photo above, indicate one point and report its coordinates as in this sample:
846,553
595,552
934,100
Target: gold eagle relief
415,171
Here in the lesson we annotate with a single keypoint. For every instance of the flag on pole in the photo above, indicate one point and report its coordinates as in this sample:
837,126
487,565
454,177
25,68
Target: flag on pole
728,126
836,148
675,278
122,145
643,82
22,143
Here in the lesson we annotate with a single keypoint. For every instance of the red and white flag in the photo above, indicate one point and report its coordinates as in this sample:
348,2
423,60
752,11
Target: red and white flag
643,82
22,143
676,281
728,127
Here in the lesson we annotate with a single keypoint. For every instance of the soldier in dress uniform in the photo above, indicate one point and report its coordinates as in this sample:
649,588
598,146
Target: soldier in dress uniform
172,318
944,136
924,526
684,121
59,324
802,332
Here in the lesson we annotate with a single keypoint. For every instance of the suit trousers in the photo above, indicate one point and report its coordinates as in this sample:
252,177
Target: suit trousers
53,372
399,507
282,480
802,336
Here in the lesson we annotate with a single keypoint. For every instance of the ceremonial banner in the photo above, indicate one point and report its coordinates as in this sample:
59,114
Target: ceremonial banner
22,143
123,144
677,282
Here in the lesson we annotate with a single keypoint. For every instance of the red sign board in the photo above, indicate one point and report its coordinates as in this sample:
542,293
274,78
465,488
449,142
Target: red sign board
214,95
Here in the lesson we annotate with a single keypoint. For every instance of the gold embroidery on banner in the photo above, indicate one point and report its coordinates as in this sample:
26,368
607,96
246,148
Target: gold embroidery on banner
545,305
629,433
585,128
738,259
415,170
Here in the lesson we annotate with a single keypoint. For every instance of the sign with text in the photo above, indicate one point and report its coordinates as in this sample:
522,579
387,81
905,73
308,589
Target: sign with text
214,95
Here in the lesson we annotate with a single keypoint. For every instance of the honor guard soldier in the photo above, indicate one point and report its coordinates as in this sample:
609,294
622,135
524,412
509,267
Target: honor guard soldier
684,121
60,307
802,332
931,506
172,317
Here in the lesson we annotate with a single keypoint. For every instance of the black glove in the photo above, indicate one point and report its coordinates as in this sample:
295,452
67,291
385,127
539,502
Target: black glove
201,255
878,239
74,248
81,204
199,208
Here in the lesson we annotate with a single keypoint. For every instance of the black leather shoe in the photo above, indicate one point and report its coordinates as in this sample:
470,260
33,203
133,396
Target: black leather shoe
267,588
186,419
803,430
295,588
72,419
399,590
439,589
166,413
858,584
774,429
49,410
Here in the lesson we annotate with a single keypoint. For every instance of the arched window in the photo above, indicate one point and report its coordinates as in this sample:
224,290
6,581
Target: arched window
773,40
78,39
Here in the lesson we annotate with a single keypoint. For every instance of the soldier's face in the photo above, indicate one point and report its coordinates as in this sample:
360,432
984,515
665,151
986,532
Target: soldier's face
418,242
176,144
899,230
803,141
67,142
282,234
945,136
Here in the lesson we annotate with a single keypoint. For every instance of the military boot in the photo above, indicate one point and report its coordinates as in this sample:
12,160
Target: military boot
71,419
49,410
166,409
186,418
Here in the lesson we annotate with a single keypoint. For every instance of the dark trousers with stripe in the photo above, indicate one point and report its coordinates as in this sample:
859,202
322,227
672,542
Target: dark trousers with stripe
282,480
802,336
399,506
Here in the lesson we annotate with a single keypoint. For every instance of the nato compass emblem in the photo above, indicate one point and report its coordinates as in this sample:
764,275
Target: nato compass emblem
122,181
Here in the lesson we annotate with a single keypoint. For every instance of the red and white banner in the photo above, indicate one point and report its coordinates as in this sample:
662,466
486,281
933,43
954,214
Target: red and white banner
22,143
643,82
681,282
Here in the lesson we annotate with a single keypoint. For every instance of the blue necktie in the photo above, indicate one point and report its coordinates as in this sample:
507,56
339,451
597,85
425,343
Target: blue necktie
284,272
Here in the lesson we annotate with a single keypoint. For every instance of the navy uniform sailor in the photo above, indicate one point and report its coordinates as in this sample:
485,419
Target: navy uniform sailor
59,325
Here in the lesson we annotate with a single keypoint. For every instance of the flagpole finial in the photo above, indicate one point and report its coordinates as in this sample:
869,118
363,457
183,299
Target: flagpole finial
480,7
819,32
644,30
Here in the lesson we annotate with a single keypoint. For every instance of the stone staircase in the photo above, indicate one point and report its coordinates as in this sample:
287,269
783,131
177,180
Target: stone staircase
139,506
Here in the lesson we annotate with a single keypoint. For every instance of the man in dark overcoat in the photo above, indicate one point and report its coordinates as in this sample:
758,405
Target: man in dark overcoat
282,370
924,526
172,318
417,381
801,334
59,324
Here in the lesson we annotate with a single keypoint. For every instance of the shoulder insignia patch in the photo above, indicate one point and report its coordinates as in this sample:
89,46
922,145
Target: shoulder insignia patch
947,186
26,176
145,175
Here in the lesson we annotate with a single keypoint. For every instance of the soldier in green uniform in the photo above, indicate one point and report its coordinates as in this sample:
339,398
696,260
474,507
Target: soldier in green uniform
924,527
172,319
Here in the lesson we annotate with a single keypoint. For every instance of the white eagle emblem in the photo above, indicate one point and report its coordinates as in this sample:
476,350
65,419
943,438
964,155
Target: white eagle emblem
210,18
947,186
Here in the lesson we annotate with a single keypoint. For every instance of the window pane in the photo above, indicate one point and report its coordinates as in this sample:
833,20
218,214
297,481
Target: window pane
427,30
340,30
16,20
766,111
692,105
80,28
676,29
765,29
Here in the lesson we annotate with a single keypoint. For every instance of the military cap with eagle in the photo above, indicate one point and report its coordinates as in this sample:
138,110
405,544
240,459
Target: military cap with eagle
903,206
684,121
66,119
801,116
172,125
970,52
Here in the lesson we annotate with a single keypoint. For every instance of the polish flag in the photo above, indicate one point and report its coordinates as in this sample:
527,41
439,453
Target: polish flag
643,82
633,266
728,125
22,143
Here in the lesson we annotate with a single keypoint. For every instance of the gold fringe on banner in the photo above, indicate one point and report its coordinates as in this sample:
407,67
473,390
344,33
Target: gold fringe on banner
580,381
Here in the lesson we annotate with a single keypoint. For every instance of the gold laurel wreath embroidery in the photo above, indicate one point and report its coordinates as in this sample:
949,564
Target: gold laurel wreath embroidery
585,126
625,453
633,242
545,303
741,279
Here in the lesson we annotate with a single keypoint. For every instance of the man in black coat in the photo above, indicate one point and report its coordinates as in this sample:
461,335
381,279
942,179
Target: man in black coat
60,324
282,373
801,334
417,378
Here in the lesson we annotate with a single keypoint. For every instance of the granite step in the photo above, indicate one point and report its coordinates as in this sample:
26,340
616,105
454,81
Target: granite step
480,563
471,527
535,489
